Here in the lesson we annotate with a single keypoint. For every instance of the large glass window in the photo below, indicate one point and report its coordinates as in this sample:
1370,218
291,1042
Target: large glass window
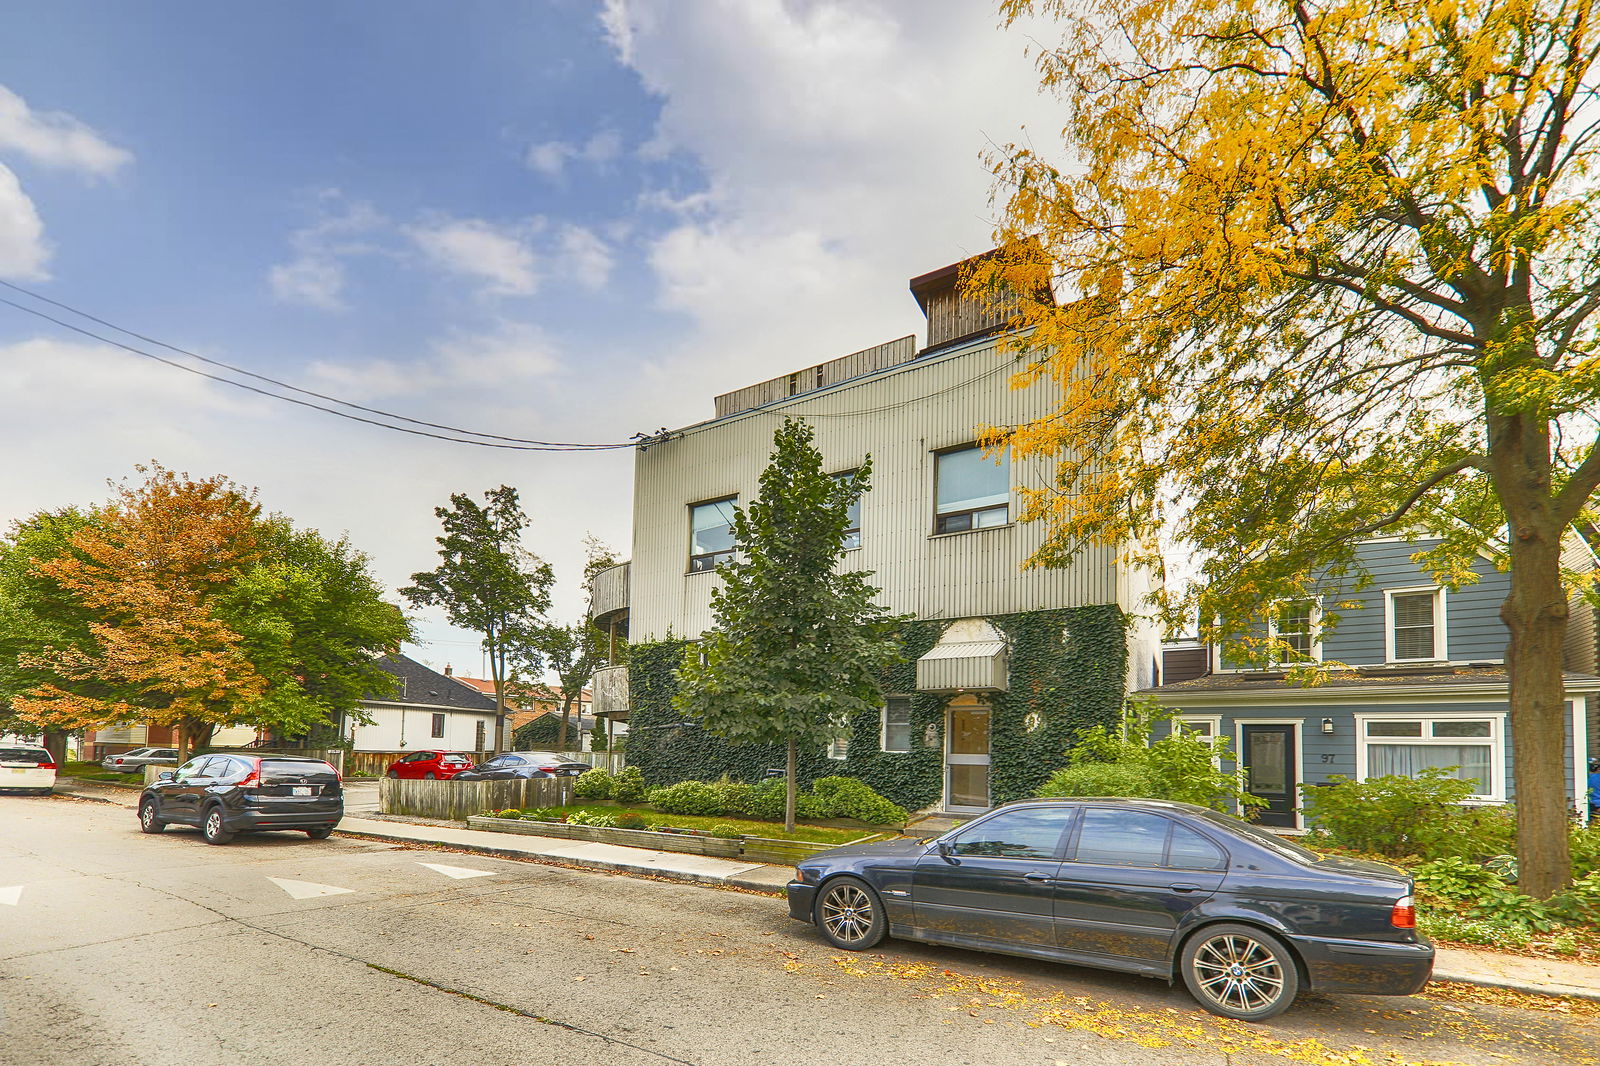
971,491
1122,838
897,723
1414,625
1403,747
1033,833
852,529
710,534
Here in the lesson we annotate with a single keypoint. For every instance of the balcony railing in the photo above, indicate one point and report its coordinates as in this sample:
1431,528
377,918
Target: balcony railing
610,687
608,601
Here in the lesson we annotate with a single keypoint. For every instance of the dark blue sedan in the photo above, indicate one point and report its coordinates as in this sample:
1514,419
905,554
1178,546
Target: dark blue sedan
1244,917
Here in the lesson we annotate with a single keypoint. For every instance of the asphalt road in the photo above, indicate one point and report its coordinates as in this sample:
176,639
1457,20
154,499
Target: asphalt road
121,948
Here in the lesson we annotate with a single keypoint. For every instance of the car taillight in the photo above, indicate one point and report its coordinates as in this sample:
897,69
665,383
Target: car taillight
1404,914
251,780
47,766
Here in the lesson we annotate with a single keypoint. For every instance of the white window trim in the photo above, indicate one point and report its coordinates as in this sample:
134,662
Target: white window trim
933,493
883,727
1496,741
1441,635
1316,632
1215,721
1299,764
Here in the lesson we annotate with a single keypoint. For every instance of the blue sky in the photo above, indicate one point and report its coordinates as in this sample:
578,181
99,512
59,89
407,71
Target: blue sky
566,220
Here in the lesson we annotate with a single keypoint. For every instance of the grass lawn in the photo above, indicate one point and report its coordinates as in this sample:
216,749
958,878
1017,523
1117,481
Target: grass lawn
815,834
93,771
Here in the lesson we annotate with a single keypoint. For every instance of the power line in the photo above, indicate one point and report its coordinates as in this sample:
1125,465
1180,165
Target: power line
511,443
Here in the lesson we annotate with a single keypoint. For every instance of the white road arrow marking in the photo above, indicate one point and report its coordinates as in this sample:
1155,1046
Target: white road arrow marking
11,896
307,889
457,872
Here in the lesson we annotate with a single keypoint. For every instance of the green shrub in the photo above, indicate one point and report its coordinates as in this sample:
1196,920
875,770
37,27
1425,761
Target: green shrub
596,784
629,786
687,797
1580,902
846,797
1099,779
544,814
1400,817
736,797
1454,878
594,818
1510,907
1475,931
1584,841
767,800
723,829
631,820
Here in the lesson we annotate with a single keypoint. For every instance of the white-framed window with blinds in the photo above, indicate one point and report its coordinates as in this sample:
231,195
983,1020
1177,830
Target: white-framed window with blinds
1402,745
1203,727
896,724
970,490
1414,625
710,534
1295,628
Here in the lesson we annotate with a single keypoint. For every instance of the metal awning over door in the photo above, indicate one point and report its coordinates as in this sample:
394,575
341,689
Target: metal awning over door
971,656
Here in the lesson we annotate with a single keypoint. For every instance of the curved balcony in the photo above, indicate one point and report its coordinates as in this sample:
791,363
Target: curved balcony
608,596
610,687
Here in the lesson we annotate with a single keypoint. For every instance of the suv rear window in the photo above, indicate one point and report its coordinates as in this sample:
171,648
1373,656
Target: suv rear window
286,771
33,755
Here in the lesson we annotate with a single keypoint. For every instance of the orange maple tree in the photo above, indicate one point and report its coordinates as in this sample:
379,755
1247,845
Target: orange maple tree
149,567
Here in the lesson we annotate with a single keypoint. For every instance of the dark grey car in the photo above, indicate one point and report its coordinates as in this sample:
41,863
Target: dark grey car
1245,918
225,795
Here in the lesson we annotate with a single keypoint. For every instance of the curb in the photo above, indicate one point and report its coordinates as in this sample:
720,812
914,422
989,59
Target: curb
1569,991
601,865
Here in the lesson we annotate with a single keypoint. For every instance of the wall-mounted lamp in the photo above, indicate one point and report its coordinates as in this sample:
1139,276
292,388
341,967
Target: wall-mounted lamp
1327,725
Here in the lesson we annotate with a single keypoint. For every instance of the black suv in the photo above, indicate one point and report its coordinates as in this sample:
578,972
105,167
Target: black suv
229,794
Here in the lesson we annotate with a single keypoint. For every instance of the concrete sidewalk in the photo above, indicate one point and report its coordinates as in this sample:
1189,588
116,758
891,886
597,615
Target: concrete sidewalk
1490,969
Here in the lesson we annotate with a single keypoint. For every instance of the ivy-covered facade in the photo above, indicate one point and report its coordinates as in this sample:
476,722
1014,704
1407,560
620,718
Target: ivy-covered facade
1065,673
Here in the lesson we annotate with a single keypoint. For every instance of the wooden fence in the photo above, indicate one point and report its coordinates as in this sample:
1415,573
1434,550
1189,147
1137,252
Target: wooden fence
460,800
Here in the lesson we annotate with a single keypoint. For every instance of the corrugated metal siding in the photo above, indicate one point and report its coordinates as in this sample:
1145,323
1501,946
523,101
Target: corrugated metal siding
821,376
610,592
965,666
899,417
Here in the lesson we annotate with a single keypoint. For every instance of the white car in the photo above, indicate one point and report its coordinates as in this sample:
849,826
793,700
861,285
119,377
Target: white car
27,769
132,762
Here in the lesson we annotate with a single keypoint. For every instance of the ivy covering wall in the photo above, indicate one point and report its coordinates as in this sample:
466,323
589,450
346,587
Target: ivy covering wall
1067,673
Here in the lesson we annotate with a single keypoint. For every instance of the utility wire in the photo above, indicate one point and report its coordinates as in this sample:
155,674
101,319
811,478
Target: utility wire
532,446
512,442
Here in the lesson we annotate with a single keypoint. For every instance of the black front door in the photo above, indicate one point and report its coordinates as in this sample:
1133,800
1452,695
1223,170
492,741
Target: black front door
1270,761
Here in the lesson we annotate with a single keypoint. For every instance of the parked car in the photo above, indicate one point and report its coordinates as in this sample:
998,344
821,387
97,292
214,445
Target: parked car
513,764
229,794
432,765
130,762
1245,918
25,768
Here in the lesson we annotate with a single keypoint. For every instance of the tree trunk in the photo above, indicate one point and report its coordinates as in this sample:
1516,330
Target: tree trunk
1536,614
789,792
561,733
55,742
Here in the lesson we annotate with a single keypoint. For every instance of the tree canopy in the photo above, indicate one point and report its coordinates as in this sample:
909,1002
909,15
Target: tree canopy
177,602
489,583
1332,270
798,646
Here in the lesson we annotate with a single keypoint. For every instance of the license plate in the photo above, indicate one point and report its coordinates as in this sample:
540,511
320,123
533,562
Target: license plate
300,790
20,769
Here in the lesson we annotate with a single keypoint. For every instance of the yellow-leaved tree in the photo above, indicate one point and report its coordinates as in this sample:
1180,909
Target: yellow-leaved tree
1334,270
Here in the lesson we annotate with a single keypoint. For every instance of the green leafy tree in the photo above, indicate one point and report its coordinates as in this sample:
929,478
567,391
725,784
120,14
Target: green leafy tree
487,582
1335,273
798,647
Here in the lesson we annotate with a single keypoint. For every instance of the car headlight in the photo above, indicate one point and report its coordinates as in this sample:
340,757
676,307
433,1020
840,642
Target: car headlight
808,874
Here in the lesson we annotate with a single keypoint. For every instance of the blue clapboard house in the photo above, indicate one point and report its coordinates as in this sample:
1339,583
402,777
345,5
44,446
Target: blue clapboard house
1423,684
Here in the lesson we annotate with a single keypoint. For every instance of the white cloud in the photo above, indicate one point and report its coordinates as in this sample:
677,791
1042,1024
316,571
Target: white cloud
550,158
55,139
584,256
316,275
500,256
23,250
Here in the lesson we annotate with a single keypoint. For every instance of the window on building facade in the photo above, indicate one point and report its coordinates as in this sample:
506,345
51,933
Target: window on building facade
710,534
438,725
1404,746
1296,627
852,531
897,723
478,742
1416,625
839,747
971,491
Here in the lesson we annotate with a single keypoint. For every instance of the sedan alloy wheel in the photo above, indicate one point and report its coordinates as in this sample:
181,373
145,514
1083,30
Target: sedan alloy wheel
1240,972
850,916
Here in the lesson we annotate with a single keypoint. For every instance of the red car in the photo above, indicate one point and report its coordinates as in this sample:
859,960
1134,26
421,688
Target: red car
433,765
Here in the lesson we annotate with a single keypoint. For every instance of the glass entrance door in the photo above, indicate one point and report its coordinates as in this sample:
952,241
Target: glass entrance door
1270,763
966,758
